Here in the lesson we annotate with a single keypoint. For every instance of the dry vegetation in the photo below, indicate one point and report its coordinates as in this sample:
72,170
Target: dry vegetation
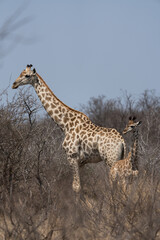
36,198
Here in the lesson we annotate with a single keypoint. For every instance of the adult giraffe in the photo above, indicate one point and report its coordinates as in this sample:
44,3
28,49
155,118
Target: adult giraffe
84,142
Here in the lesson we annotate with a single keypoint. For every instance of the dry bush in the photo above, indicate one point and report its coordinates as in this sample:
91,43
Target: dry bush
36,198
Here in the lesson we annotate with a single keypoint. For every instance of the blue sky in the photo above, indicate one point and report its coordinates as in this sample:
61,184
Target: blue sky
85,48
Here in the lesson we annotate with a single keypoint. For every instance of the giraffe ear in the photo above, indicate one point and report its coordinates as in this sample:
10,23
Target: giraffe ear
134,118
139,123
34,70
130,118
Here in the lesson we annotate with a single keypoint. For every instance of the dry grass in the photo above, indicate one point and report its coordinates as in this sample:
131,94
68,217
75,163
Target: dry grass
101,211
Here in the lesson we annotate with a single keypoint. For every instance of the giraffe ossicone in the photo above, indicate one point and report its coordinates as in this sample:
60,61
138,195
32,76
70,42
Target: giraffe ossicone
84,142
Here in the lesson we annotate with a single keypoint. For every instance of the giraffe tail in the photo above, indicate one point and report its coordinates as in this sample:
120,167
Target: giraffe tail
123,152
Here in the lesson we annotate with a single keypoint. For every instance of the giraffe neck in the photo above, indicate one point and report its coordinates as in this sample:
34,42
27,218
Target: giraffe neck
134,159
58,111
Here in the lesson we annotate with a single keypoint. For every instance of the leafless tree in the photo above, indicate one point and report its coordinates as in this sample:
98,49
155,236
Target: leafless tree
9,35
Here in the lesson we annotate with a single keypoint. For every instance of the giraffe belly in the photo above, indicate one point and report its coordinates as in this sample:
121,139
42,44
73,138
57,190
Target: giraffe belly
92,157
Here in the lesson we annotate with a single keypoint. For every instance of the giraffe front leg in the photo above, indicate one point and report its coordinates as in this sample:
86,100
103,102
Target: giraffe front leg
76,186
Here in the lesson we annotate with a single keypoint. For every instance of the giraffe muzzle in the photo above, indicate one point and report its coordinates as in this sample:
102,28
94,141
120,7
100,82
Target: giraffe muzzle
15,85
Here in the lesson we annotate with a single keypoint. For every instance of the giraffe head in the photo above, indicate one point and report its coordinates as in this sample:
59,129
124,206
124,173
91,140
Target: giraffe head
27,76
131,125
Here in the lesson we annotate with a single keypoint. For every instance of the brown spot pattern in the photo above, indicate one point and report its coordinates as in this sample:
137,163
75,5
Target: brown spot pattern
50,112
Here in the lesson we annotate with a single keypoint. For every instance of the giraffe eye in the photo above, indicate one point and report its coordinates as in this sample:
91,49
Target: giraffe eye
27,76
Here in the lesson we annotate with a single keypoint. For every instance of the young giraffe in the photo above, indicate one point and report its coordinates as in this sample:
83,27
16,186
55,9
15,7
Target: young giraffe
128,166
84,141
